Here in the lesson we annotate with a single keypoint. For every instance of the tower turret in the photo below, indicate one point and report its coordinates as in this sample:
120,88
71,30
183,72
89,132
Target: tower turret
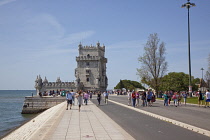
38,84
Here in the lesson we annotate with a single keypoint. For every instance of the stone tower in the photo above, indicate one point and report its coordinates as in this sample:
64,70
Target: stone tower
91,67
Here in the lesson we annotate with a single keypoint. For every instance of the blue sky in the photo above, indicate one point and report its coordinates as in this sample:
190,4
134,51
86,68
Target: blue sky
42,37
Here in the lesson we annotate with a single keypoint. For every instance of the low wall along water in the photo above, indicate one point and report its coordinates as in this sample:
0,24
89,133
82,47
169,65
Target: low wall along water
37,104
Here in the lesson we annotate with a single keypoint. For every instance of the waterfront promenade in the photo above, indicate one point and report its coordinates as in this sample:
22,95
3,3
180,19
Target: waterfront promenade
57,123
106,122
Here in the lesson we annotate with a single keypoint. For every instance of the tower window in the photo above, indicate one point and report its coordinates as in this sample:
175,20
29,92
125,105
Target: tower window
88,79
87,71
87,63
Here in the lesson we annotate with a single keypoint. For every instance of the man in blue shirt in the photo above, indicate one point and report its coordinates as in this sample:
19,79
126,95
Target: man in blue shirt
69,99
106,94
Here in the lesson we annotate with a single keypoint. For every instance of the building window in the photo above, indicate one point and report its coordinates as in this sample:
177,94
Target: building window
88,55
87,63
88,79
87,71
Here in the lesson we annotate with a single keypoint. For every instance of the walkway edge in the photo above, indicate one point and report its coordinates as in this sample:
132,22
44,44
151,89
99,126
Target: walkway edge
28,130
178,123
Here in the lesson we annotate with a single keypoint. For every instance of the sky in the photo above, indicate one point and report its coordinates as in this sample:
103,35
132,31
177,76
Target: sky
41,37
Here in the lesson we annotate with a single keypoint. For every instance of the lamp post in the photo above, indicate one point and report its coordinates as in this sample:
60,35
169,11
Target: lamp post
188,5
202,72
201,86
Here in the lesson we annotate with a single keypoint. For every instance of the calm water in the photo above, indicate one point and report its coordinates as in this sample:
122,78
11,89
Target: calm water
11,102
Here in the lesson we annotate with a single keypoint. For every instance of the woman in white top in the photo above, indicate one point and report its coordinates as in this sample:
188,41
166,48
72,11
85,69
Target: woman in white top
79,98
129,97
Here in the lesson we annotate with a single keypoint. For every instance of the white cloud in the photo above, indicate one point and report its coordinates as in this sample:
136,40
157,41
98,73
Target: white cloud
41,36
3,2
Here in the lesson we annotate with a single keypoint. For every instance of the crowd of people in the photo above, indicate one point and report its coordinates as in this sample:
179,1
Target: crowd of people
134,98
83,97
148,97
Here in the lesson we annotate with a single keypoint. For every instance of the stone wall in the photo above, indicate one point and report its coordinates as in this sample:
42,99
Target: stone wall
38,104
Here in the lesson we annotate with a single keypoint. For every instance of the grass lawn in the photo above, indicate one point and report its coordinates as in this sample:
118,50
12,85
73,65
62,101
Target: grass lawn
191,100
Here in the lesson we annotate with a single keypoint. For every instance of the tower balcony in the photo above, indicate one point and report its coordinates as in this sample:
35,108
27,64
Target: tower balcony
79,58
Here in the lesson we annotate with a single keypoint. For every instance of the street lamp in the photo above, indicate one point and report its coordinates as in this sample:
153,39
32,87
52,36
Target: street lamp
202,72
188,5
201,86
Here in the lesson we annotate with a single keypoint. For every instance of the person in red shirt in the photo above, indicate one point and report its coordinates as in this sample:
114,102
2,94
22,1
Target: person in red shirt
134,98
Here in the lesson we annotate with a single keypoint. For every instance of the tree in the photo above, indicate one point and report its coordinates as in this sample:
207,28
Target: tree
128,84
178,81
153,63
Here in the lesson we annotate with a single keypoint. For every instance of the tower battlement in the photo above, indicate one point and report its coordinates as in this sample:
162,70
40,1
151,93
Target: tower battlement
91,47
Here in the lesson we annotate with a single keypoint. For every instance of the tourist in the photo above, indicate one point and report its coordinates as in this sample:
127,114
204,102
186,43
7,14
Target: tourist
69,99
40,94
91,94
153,98
179,98
137,98
165,96
149,97
79,99
185,98
133,98
207,98
86,97
175,98
170,94
99,98
200,98
106,94
129,97
73,97
144,99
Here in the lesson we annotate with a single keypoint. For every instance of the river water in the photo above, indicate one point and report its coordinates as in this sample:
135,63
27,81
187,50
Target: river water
11,102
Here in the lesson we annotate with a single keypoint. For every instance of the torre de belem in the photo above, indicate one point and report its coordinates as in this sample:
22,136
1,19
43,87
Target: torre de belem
90,72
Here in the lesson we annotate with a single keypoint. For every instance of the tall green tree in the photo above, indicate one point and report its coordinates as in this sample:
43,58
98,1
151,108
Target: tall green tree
153,63
128,84
178,81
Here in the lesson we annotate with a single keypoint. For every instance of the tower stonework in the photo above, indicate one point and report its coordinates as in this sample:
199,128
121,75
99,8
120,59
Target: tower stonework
91,67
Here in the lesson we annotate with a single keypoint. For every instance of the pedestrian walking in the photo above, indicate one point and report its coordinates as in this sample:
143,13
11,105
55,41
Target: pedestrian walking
149,97
129,97
200,98
207,98
134,98
179,98
79,99
99,98
106,95
137,98
91,94
185,98
73,97
175,98
86,97
170,94
165,96
69,99
144,99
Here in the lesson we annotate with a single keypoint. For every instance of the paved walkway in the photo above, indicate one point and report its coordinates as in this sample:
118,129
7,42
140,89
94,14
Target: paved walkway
90,123
190,116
